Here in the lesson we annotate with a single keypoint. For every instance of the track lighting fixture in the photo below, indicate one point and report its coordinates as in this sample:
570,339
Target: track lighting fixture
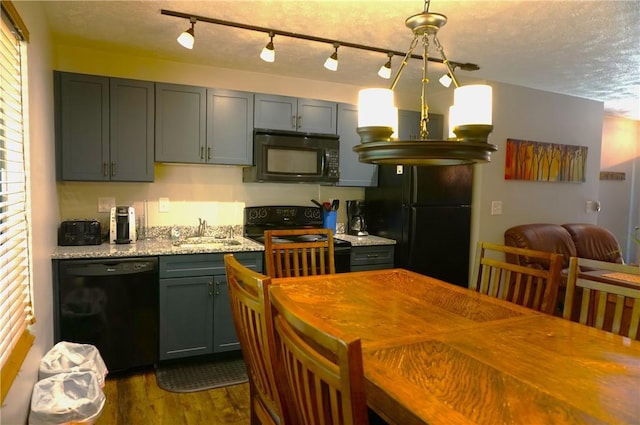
445,80
268,53
187,38
385,70
332,61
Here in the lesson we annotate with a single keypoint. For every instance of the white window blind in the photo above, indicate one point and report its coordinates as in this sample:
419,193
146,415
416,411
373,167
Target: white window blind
15,284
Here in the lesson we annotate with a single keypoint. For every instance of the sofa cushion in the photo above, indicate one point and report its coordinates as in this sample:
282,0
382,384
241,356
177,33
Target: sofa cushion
594,242
541,237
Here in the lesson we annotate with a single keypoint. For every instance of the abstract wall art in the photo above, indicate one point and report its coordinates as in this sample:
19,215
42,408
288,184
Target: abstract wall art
545,162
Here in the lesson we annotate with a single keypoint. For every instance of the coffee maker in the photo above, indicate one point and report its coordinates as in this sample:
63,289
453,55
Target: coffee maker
122,225
356,224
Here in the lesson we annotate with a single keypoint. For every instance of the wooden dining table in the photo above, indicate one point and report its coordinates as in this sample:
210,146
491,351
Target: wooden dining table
435,353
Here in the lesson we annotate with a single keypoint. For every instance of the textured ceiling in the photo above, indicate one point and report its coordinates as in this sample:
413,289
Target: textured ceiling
587,49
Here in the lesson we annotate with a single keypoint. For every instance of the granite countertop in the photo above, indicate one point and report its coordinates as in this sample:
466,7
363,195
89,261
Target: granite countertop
152,247
365,240
163,246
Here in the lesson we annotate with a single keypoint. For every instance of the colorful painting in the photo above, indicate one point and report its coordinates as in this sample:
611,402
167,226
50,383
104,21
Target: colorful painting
545,162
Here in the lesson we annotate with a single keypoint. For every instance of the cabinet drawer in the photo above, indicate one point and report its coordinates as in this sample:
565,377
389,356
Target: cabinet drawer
204,264
370,255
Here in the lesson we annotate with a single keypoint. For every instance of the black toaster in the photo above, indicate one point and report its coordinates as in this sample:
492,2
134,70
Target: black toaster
79,232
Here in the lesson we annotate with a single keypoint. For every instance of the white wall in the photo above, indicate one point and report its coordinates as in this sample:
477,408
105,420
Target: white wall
44,211
620,212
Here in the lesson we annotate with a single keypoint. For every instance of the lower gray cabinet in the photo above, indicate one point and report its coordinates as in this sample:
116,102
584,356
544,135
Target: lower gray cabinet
374,257
195,313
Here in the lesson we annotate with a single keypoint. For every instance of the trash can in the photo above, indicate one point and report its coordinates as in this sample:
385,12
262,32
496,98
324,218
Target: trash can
67,398
72,357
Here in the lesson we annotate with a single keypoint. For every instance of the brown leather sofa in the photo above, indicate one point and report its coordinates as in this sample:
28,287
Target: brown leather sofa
571,240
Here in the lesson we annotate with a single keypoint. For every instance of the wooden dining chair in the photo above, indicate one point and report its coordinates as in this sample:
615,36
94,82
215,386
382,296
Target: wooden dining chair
324,371
301,258
604,295
251,311
533,287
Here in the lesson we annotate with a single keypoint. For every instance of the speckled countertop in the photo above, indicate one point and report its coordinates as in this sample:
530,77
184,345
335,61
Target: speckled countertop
151,247
365,240
160,246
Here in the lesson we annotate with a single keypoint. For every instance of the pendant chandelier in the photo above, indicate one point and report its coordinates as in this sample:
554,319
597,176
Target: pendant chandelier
470,117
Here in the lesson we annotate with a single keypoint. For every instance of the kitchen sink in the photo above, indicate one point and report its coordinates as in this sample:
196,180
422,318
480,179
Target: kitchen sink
208,241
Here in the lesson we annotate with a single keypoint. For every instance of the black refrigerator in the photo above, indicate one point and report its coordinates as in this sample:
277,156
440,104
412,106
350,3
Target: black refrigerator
427,210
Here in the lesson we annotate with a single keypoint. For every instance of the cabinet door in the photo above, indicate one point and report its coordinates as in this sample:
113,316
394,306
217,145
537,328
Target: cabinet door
180,123
82,122
131,114
229,127
275,112
225,337
372,257
186,317
317,116
352,171
409,125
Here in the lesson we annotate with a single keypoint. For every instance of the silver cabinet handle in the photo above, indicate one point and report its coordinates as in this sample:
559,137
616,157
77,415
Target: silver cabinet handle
299,122
211,288
208,152
105,169
293,121
113,168
217,288
201,152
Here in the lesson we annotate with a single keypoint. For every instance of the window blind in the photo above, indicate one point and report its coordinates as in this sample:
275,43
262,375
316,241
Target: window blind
15,284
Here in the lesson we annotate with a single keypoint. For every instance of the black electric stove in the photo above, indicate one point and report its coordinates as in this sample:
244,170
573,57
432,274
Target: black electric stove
275,217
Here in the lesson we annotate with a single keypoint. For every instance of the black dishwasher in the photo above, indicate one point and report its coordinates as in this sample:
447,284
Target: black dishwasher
112,304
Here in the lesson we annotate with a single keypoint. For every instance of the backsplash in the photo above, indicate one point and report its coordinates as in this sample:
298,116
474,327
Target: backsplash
209,192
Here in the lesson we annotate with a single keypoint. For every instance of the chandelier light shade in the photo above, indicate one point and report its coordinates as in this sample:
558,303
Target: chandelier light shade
332,61
187,38
470,118
268,53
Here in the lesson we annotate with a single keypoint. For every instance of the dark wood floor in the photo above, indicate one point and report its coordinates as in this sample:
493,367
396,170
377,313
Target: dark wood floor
136,399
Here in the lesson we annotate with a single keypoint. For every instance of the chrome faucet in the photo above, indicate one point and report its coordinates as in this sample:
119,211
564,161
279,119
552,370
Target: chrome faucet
202,226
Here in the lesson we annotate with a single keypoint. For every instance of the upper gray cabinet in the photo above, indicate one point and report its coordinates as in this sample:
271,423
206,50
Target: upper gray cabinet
409,125
229,127
104,128
204,126
295,114
352,171
181,123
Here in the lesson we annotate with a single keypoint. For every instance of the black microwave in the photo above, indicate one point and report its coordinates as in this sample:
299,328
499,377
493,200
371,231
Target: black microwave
288,156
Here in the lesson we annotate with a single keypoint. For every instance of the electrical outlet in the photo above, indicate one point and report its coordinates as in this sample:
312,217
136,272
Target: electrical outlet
496,207
399,169
105,204
163,205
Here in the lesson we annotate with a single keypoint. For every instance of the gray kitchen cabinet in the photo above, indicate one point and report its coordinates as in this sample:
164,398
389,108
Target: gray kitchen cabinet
195,312
352,171
374,257
181,122
229,127
104,128
409,125
203,126
295,114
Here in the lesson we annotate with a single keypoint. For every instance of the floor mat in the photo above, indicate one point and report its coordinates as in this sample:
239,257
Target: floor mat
191,377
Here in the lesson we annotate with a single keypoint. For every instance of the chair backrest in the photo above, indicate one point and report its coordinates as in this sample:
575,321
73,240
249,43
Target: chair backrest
324,371
303,258
251,310
532,287
594,299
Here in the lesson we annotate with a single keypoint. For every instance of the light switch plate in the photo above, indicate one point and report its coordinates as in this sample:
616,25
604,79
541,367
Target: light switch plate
163,205
496,207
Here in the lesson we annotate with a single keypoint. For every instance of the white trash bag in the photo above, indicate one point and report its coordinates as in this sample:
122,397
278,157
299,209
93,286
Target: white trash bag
67,398
72,357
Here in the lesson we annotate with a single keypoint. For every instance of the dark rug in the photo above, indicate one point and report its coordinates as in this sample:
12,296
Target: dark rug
200,376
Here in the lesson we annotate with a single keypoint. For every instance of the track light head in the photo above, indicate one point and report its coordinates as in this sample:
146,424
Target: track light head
187,38
445,80
268,53
332,61
385,70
